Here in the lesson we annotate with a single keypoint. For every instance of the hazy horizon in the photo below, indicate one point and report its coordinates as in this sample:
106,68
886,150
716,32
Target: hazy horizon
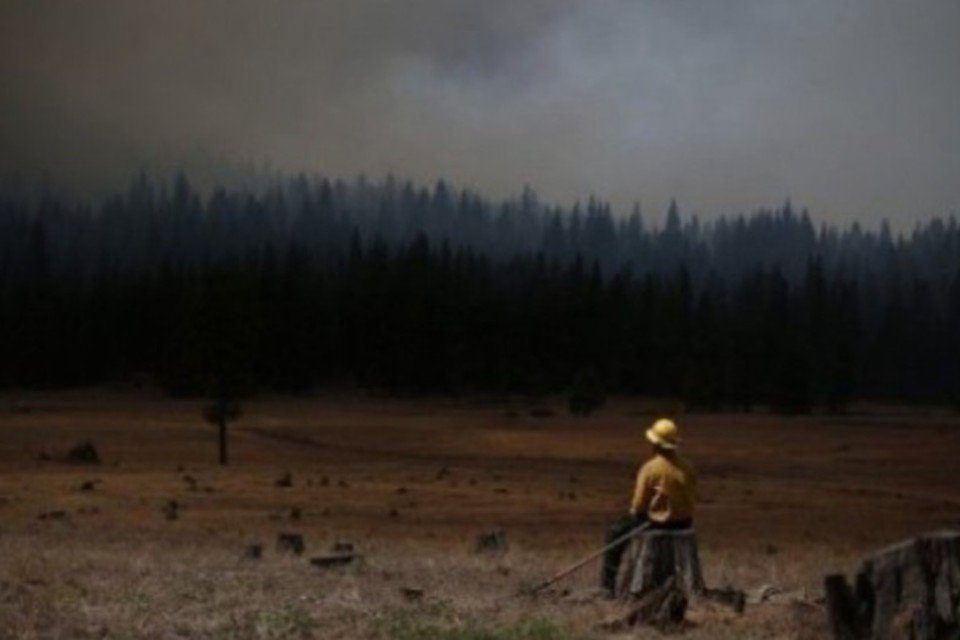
848,110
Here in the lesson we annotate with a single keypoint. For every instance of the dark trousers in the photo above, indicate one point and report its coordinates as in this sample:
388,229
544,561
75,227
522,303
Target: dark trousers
623,526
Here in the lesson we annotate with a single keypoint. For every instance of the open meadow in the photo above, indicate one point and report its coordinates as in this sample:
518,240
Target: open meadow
411,484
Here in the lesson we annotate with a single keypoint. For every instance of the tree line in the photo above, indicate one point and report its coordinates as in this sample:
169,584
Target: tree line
316,283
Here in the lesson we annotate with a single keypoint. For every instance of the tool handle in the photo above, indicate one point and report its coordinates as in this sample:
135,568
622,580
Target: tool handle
592,556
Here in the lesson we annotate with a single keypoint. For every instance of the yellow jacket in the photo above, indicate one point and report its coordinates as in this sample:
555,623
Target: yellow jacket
666,488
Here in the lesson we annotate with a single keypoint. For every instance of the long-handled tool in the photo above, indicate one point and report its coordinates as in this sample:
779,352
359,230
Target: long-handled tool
586,559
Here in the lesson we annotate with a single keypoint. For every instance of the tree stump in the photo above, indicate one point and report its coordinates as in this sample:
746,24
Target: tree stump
910,590
662,556
83,453
492,541
171,510
290,543
661,576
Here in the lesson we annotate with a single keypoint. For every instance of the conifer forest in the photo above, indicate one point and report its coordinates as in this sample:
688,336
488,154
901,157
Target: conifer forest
315,283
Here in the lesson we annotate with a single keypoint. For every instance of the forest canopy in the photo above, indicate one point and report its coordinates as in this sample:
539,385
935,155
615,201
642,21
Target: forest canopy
314,282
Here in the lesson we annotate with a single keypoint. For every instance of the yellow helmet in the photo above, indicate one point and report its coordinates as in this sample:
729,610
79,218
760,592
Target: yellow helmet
664,433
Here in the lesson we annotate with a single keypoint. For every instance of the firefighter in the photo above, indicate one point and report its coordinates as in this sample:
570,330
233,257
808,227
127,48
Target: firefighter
663,497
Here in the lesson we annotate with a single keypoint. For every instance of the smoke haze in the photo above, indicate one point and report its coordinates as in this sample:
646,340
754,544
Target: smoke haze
850,108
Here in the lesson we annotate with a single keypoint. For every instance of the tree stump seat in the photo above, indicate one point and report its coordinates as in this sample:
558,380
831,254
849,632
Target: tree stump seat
660,557
661,576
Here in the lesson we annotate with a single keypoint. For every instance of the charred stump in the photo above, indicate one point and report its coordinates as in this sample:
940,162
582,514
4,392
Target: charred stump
82,453
290,543
253,550
662,557
492,541
908,591
662,576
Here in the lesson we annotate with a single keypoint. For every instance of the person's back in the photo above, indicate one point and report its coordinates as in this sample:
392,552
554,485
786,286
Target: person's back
662,499
665,490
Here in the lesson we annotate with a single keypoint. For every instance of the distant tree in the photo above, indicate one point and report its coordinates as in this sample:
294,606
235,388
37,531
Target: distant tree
220,412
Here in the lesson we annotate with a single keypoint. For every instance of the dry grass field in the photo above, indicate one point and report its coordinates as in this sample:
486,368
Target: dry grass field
411,483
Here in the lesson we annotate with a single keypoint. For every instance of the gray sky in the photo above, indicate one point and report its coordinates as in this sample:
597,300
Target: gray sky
851,108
